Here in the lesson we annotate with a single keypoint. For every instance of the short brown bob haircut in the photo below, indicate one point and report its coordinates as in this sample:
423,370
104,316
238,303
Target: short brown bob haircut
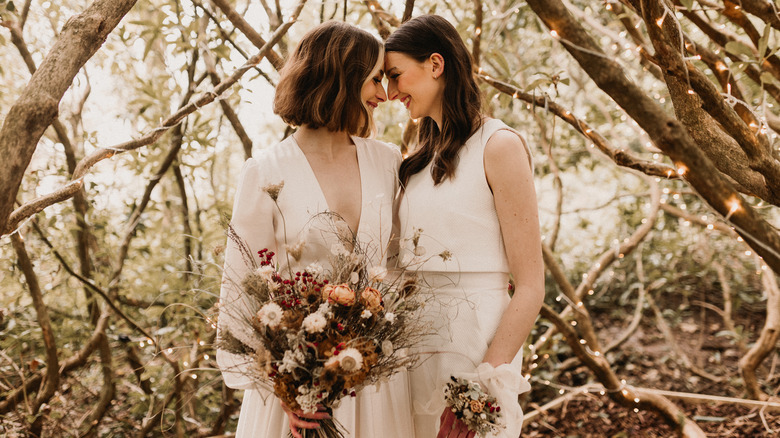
321,81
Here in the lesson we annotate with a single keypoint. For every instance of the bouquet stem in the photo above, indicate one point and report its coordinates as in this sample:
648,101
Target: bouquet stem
329,428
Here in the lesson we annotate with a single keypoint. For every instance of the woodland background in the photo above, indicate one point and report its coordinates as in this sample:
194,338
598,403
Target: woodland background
654,126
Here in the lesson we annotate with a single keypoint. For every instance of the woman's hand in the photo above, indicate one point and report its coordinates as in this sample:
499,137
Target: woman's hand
297,419
451,427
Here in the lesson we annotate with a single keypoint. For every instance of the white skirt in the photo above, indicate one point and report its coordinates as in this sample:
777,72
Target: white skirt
464,312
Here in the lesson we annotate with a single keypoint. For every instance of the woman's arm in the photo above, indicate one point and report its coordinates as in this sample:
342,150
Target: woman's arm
510,176
252,221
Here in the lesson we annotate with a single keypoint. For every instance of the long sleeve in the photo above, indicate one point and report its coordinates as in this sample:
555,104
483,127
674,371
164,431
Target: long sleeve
253,223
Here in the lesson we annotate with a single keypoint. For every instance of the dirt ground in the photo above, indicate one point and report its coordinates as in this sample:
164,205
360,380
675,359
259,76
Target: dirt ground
649,360
588,417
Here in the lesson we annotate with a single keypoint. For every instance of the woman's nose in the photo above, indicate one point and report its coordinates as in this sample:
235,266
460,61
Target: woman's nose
381,94
392,91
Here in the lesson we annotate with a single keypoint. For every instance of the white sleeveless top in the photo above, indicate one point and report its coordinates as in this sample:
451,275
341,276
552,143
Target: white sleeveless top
454,223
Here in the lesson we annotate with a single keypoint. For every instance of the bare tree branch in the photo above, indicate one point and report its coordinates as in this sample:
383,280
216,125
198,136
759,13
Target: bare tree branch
408,9
667,133
692,91
52,377
76,361
185,217
619,156
376,17
763,10
25,13
38,204
235,122
624,395
253,36
38,103
767,340
477,38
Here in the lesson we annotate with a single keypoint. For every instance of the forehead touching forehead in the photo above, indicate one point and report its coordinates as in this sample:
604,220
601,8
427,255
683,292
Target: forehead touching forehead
396,61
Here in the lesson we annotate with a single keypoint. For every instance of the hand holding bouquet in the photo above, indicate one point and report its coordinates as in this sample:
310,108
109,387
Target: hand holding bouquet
473,406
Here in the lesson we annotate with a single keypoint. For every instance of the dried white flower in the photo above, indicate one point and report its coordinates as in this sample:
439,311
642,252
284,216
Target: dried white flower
377,273
314,323
331,361
343,232
308,399
354,278
350,360
266,273
289,362
365,314
390,317
387,347
315,269
270,315
338,249
296,250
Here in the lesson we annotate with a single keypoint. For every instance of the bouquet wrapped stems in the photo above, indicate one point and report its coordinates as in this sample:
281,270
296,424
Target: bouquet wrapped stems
329,428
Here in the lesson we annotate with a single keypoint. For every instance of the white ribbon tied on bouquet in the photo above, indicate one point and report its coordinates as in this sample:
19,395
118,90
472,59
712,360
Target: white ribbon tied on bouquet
503,382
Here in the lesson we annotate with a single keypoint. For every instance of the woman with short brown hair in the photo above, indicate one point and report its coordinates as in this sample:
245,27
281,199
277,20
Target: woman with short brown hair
320,84
328,89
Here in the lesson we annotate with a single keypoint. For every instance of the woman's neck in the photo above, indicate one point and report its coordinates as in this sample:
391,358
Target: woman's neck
322,141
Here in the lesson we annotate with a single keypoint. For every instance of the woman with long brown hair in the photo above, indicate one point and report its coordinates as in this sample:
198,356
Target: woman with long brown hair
468,219
328,89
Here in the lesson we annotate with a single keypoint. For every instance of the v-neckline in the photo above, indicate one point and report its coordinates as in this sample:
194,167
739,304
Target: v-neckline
323,198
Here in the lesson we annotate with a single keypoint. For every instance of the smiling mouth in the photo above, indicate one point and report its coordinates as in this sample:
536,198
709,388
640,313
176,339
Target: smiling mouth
406,101
372,104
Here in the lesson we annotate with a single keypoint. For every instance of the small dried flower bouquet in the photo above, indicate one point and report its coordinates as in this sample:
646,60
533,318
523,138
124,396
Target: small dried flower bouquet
472,405
318,334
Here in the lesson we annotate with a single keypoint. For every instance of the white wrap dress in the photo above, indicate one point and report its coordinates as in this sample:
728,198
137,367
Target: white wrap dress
382,413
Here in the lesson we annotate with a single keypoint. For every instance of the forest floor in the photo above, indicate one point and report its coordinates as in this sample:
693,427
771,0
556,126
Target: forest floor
648,360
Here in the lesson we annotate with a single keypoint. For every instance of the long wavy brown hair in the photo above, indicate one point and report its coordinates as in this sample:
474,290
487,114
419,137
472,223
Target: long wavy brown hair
419,38
321,81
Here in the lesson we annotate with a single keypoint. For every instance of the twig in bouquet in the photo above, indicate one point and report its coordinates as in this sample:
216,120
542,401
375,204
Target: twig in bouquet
273,191
246,254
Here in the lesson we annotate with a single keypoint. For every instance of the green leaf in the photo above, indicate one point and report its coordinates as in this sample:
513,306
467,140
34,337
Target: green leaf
688,4
10,7
764,41
739,68
537,82
767,77
739,48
